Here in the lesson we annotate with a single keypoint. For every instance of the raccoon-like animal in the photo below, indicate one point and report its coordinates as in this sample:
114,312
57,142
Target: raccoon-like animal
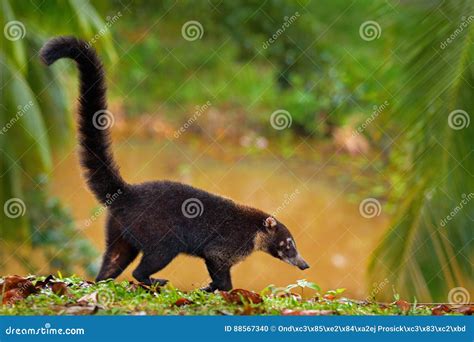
160,219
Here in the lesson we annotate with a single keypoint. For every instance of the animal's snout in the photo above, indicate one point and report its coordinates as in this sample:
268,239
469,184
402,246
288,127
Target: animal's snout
304,265
299,262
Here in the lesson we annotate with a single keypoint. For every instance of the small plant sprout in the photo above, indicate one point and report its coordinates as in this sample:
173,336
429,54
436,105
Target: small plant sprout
302,284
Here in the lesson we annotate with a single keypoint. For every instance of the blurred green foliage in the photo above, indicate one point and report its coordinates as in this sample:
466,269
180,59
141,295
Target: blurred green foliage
429,248
34,116
302,71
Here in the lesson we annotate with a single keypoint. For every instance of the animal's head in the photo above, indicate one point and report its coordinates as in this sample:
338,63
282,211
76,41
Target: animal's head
275,239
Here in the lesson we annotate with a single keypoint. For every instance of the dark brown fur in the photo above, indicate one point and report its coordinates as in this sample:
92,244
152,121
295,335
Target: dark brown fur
149,217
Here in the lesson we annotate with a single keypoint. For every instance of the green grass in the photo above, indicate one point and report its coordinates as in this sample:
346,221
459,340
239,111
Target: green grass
74,296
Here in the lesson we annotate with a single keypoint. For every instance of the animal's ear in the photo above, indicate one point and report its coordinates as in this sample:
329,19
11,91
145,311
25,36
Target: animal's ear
270,222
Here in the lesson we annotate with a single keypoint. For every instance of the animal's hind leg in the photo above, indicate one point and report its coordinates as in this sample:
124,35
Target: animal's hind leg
119,253
152,263
220,275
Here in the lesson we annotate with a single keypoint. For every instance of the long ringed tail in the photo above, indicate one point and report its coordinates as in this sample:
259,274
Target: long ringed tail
101,172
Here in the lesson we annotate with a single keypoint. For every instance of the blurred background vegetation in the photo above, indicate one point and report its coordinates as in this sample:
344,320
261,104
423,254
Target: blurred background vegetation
372,114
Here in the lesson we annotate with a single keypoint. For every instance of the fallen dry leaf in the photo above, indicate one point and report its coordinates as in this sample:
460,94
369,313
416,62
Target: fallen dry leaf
467,310
91,298
183,301
13,282
289,312
11,297
403,305
59,288
15,288
440,310
81,310
240,296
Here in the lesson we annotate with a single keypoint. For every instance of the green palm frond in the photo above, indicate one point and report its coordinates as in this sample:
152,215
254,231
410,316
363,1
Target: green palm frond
425,254
50,94
34,113
13,29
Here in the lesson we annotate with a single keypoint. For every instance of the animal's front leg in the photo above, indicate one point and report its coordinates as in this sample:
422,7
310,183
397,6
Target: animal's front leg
153,262
220,275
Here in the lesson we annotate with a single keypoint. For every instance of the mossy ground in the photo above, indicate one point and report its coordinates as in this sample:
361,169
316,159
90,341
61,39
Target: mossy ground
74,296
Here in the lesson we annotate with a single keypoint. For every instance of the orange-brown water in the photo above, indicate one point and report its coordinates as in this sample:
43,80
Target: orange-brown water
329,231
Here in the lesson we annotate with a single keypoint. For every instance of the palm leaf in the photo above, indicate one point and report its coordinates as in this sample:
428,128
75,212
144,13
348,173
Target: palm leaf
50,94
422,255
12,228
24,147
31,149
25,154
14,48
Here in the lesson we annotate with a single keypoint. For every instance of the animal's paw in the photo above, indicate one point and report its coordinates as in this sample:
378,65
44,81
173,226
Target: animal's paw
158,282
209,288
213,287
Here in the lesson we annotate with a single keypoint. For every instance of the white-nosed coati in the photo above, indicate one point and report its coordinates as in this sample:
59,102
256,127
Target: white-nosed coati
149,217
